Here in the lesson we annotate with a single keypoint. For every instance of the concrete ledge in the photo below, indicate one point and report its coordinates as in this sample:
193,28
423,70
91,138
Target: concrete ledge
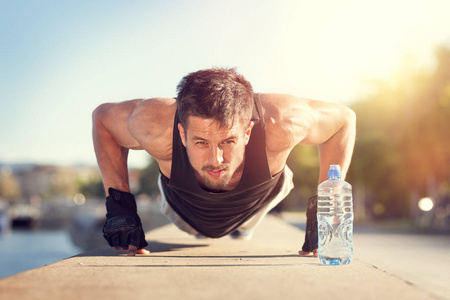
181,267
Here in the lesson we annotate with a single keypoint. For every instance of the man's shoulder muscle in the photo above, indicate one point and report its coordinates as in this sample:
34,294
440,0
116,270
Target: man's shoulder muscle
151,123
291,121
285,117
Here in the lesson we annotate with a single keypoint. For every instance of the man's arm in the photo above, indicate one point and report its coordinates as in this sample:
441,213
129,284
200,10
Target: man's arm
292,121
334,131
112,141
331,127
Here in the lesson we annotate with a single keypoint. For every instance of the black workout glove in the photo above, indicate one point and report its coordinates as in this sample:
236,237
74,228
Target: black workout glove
311,235
123,226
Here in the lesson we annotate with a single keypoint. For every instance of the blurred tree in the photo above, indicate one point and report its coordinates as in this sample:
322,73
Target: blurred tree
403,139
148,181
304,163
92,188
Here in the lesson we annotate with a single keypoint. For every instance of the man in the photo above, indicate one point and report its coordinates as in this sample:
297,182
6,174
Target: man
221,150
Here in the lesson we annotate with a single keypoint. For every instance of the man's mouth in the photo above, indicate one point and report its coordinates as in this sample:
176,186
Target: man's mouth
215,173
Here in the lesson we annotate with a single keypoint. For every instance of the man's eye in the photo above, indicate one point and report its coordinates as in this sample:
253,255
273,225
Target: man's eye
229,142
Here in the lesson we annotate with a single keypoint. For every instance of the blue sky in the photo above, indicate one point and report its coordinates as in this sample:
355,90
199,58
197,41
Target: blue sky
60,59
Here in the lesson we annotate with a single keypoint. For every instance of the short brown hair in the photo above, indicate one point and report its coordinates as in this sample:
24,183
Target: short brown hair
218,93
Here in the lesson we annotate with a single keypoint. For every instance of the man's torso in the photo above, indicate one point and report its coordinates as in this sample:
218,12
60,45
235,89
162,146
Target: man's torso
215,214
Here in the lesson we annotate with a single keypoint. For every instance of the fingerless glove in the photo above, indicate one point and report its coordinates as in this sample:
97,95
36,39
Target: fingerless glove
311,235
123,226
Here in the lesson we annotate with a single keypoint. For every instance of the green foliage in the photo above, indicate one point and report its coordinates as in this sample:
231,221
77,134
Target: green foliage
304,163
148,180
403,140
92,188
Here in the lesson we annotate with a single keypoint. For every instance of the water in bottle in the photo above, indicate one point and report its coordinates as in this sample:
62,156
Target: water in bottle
335,219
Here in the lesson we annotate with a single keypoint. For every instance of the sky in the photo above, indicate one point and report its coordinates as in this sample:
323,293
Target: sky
61,59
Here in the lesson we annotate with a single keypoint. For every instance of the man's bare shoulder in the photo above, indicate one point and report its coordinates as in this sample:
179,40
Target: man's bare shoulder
155,104
151,123
150,113
303,121
285,117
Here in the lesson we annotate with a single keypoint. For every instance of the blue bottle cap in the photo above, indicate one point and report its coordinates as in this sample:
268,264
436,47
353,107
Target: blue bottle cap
335,171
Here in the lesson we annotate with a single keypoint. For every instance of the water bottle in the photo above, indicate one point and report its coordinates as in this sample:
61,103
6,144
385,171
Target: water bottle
335,219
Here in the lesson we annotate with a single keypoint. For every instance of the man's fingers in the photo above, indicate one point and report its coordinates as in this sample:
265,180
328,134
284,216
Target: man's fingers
143,251
304,253
313,253
132,250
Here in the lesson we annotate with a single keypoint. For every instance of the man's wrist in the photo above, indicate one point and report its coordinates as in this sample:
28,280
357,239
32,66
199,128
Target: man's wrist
120,203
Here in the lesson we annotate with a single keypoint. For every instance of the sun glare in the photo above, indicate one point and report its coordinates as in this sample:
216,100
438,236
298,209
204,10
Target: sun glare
370,37
426,204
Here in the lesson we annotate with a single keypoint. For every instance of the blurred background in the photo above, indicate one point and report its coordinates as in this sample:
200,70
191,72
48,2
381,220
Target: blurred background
387,60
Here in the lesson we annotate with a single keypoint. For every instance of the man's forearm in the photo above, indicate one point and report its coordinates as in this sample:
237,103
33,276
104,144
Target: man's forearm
339,148
111,157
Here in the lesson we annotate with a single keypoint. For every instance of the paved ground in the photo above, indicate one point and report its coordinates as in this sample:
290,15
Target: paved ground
181,267
420,259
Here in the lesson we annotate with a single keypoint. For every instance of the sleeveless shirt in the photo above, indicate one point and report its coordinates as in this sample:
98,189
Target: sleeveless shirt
218,214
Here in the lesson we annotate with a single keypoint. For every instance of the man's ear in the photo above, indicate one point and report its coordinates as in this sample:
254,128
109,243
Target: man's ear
248,132
182,134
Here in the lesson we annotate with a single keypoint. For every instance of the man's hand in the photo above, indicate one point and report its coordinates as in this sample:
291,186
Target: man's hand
123,227
306,253
133,250
310,246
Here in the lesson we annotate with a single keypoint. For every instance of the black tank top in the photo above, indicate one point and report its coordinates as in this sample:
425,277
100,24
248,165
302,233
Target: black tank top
218,214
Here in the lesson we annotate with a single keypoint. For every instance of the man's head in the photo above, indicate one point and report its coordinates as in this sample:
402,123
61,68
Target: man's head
215,108
219,94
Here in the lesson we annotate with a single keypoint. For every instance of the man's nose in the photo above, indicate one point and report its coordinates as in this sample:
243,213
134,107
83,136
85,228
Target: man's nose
216,156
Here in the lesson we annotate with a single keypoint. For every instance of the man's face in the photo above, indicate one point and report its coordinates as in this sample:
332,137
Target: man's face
216,154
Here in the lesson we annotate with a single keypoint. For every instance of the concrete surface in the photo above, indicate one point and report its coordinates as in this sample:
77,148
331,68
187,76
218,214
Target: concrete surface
423,259
181,267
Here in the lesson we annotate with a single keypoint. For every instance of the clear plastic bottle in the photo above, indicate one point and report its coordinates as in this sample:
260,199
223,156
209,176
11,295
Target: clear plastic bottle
335,219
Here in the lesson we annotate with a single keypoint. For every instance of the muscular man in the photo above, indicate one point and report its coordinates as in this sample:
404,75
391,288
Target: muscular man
221,150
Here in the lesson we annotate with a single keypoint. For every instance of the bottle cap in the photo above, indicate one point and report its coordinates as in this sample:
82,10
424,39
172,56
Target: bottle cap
335,171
